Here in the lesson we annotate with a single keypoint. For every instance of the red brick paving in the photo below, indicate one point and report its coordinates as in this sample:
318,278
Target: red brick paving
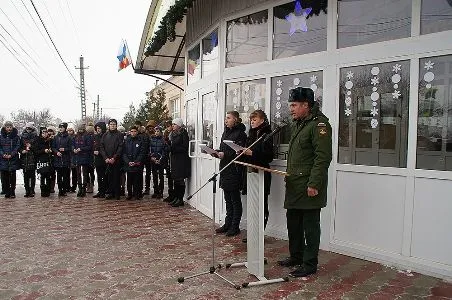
97,249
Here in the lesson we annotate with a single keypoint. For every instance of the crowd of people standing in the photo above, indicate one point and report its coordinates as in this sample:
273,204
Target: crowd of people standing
70,159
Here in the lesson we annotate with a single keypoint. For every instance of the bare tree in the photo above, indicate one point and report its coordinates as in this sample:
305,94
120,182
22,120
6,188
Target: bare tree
39,118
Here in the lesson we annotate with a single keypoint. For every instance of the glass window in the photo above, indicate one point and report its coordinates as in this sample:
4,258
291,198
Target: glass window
434,129
174,107
369,21
299,27
190,121
373,114
193,65
245,97
279,111
247,39
210,53
209,117
436,15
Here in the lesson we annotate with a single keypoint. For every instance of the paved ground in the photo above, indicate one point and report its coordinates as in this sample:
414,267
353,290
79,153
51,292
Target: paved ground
88,249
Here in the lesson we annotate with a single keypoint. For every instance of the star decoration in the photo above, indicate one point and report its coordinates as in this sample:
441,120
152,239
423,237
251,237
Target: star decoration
313,78
279,83
429,65
278,115
396,68
297,19
374,81
348,112
396,94
350,75
374,111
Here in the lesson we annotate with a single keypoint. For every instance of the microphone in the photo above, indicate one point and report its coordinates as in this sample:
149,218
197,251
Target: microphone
276,130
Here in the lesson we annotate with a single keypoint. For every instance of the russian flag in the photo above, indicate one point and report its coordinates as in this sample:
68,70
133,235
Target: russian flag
123,56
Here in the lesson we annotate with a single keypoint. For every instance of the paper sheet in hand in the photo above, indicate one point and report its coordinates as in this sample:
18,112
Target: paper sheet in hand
208,150
233,145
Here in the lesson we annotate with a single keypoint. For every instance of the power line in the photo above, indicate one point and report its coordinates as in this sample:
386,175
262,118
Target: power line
37,27
73,24
15,57
56,49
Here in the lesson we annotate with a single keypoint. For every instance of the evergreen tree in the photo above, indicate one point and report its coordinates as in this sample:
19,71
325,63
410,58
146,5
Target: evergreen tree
129,117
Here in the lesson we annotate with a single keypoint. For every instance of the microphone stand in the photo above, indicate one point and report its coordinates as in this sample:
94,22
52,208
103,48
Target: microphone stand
213,269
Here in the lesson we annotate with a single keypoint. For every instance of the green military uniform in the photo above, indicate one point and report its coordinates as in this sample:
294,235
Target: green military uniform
310,153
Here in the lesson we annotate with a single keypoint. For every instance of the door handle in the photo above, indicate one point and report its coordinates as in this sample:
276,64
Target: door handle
189,148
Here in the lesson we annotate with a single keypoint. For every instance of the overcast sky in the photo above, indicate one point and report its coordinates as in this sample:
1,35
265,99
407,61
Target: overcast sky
92,28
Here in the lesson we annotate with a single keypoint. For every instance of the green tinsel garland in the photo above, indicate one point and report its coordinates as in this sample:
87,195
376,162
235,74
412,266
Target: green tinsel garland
167,28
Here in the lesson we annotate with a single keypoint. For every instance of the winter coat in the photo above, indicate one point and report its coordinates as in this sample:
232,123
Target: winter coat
158,149
180,161
262,153
111,145
232,177
27,143
62,140
9,144
44,161
85,143
310,154
134,149
99,160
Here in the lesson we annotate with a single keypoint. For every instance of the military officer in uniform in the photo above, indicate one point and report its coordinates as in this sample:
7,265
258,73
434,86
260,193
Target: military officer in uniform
310,153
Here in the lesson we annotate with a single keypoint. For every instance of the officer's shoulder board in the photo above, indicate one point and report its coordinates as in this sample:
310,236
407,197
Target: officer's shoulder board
322,129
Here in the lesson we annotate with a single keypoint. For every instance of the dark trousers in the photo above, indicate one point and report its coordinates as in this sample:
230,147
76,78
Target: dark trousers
91,175
233,209
157,178
63,178
29,181
303,227
179,188
82,175
52,181
100,170
170,182
133,184
147,177
9,182
112,176
45,184
74,178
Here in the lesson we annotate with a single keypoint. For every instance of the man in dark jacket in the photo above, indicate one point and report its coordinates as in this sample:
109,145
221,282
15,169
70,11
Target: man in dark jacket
27,157
9,158
61,146
82,148
310,153
134,149
111,150
44,160
99,162
158,152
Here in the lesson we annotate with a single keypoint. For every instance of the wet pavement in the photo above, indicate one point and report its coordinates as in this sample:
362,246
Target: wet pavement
70,248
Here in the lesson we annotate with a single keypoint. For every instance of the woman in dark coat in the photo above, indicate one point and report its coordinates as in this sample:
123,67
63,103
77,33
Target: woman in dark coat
9,158
82,145
99,162
231,179
61,146
133,154
44,160
27,158
180,161
261,154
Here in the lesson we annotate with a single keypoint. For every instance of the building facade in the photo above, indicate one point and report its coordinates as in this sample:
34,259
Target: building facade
382,72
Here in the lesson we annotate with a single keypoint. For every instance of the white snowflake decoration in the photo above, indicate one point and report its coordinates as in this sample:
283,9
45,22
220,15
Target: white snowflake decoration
348,101
396,94
236,92
396,68
375,71
374,111
279,83
313,78
374,123
348,112
278,91
374,81
296,81
278,115
429,65
349,75
278,105
247,88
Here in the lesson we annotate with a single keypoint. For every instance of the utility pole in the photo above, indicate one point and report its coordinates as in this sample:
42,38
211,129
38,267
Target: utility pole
82,87
94,110
98,116
101,112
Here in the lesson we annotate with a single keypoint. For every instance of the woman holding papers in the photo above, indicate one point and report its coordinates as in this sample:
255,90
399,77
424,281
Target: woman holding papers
231,178
261,154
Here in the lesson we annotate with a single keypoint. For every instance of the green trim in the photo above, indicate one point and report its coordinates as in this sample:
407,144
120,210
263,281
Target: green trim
167,27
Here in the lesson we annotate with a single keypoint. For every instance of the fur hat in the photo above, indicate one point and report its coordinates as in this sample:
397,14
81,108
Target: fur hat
90,127
30,125
178,122
301,94
8,124
51,128
64,125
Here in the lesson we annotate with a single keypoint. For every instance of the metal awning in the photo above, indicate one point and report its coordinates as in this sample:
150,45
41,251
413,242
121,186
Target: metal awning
169,60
